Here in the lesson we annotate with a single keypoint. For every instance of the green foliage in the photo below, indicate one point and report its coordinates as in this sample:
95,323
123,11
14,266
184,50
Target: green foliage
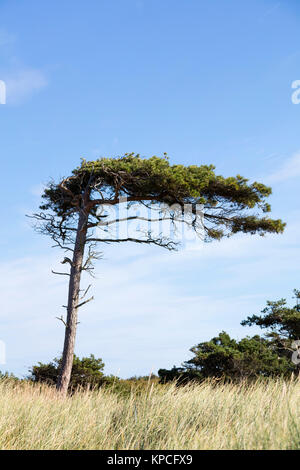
86,372
282,325
226,358
247,358
279,319
226,200
180,375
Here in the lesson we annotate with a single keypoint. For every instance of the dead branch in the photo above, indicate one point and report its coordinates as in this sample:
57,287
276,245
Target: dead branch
62,320
86,291
67,260
60,274
165,243
85,302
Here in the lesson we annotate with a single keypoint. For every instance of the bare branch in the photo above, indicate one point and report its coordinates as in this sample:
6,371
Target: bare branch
85,302
85,292
63,247
62,320
88,264
67,260
169,244
60,274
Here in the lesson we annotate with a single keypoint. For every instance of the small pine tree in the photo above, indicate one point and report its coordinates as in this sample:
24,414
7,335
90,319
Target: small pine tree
282,325
86,372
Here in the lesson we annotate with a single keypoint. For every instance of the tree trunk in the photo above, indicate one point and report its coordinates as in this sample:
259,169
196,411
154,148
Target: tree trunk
72,307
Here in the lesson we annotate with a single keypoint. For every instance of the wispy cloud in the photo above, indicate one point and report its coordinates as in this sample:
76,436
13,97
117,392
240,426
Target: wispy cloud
269,12
23,84
288,170
22,81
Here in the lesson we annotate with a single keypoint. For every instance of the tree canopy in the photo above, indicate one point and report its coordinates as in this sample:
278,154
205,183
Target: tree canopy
227,201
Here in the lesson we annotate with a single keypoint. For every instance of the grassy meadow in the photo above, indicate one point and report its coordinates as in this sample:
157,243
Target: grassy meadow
262,415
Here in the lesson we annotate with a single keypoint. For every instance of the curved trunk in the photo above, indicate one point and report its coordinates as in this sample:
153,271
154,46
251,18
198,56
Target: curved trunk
72,307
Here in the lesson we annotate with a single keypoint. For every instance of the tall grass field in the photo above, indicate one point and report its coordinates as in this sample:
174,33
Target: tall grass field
207,416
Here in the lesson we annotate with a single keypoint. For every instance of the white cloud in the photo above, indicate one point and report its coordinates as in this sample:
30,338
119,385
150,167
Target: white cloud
289,169
23,84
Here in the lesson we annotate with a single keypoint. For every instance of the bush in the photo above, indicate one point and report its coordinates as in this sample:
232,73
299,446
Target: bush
86,372
225,358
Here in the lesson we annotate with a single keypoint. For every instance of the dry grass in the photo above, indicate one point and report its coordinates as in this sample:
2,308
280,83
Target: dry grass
207,416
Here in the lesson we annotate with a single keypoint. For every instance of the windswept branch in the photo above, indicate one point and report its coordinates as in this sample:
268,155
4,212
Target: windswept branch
164,243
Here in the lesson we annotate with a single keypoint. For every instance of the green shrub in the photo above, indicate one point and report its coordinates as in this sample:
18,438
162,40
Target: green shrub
86,372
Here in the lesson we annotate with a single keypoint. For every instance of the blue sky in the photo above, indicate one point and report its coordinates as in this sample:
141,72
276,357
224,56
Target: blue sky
206,82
